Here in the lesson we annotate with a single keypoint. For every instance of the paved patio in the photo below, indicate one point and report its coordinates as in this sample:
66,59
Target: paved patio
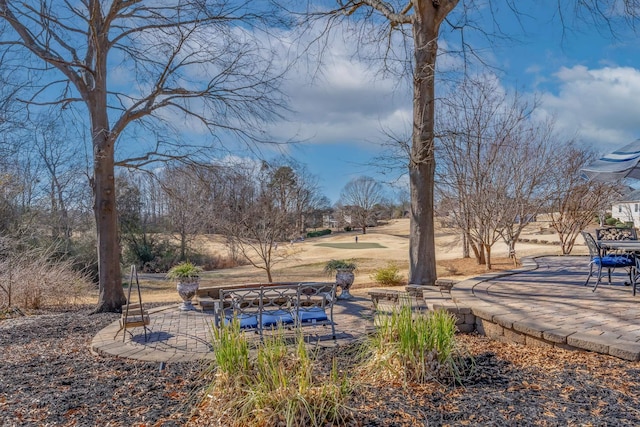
543,303
180,336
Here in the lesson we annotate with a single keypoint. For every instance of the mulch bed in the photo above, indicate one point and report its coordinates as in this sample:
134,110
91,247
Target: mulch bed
48,377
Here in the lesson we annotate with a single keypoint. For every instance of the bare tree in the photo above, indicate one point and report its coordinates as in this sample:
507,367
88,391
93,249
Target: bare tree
360,196
294,188
530,185
577,202
255,222
187,203
418,23
184,59
494,163
63,174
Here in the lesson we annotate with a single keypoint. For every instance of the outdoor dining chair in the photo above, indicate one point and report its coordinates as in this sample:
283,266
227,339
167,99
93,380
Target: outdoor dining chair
608,261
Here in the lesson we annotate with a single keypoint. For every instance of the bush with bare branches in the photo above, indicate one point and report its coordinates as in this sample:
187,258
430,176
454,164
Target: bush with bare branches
32,278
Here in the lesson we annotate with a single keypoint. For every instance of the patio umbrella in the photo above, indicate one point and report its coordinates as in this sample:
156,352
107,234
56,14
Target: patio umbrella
622,163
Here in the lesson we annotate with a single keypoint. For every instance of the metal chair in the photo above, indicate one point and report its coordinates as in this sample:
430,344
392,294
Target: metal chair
635,274
610,262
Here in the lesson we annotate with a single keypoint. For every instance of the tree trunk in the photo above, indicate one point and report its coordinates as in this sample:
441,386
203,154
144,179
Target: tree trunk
479,253
183,245
111,296
465,246
422,260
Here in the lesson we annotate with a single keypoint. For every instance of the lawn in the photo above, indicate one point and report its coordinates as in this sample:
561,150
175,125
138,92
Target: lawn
351,245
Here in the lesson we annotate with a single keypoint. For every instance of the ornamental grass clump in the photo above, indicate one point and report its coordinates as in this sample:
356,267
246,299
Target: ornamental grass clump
418,347
275,383
184,271
232,350
334,265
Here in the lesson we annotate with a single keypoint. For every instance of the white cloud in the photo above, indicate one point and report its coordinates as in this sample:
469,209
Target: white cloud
344,100
601,105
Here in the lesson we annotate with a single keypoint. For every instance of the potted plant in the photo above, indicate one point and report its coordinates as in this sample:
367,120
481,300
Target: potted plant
343,270
188,277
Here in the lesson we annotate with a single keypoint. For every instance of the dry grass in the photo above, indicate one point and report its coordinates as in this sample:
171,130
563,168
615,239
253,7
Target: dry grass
453,268
34,280
375,249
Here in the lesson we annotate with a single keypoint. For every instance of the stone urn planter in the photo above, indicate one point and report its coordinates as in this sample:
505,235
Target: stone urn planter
344,271
344,279
188,279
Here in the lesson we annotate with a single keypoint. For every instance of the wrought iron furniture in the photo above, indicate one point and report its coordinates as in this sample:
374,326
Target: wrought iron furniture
610,261
267,307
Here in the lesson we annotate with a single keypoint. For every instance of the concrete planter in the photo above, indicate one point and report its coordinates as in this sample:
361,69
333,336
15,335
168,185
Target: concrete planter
187,289
344,279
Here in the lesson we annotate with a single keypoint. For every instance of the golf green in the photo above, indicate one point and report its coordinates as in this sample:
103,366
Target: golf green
352,245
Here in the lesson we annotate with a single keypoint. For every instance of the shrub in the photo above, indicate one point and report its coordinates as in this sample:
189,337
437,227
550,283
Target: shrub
388,276
348,228
149,253
82,251
274,386
217,261
611,221
418,347
319,233
36,278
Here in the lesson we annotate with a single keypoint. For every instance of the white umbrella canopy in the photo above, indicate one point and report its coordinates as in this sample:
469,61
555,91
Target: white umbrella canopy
622,163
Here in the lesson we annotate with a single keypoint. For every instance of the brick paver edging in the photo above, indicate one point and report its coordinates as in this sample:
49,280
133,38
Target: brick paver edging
496,321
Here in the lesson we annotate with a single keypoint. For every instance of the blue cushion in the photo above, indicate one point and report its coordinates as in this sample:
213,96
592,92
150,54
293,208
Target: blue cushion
312,314
614,261
246,321
272,318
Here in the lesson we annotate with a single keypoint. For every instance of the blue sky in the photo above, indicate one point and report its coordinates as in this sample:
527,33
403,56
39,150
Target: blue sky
587,80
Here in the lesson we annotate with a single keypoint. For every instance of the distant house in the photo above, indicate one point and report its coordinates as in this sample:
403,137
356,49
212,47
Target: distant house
329,222
627,209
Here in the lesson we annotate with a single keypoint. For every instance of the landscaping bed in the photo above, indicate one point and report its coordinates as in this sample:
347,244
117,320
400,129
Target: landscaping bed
49,377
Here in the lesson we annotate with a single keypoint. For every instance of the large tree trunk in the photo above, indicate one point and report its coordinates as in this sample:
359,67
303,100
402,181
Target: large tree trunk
422,260
111,297
426,26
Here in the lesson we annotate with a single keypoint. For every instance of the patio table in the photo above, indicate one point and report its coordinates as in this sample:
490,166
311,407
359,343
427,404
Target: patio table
631,247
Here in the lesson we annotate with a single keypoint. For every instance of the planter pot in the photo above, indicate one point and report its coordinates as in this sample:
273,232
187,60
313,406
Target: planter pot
187,290
344,279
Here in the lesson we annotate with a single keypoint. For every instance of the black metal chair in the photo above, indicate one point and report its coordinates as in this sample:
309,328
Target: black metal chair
608,261
635,274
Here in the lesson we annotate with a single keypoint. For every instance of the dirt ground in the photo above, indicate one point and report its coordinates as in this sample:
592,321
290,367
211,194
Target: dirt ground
304,260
